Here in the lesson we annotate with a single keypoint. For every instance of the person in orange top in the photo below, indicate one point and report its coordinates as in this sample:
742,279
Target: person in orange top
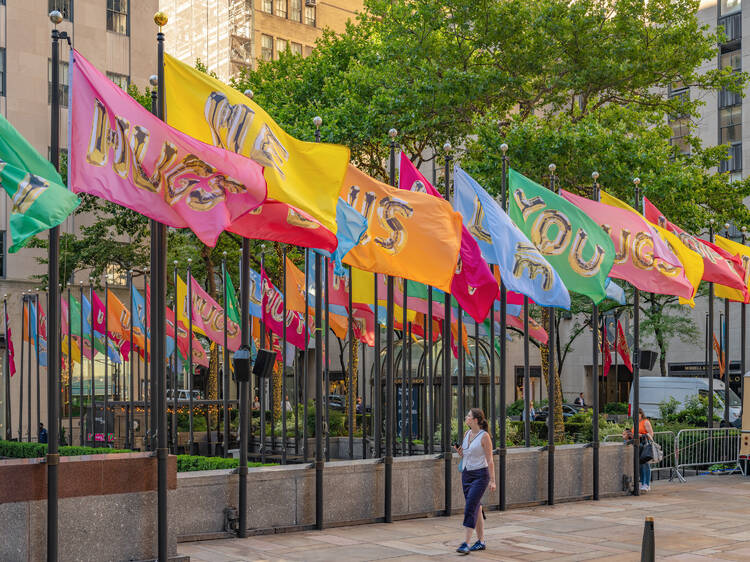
645,432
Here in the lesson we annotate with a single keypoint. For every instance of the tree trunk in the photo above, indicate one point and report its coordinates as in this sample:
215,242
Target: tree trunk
355,367
278,371
213,372
659,337
558,411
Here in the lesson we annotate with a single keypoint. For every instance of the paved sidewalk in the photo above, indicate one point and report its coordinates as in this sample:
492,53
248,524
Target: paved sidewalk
707,518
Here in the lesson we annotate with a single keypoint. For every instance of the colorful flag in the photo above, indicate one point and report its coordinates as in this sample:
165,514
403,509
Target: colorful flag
295,287
363,324
522,267
410,235
273,315
615,292
575,245
473,285
743,254
11,349
121,152
208,317
233,308
621,344
605,349
642,258
352,225
715,268
305,175
183,345
40,201
29,313
97,318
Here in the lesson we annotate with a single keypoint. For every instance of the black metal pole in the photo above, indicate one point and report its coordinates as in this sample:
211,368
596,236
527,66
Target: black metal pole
261,381
93,352
526,376
225,394
38,374
25,311
350,388
106,361
430,410
70,375
727,362
6,373
636,367
460,413
327,370
377,411
158,300
743,338
402,428
710,362
493,403
173,369
129,438
595,374
284,410
551,383
446,379
392,133
243,398
53,273
191,438
305,390
319,462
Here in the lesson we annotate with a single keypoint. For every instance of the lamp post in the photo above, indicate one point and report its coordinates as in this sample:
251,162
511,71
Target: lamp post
502,453
709,339
317,121
446,382
636,365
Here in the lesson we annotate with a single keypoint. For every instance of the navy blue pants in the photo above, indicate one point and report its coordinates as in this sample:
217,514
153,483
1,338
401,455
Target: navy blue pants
475,483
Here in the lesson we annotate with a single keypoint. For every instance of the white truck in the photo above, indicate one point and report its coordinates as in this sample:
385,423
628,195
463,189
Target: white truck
654,390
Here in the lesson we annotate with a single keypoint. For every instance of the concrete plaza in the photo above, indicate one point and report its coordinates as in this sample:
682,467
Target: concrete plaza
707,518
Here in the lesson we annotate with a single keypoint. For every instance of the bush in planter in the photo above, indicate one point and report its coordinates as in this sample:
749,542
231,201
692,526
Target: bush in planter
616,408
19,450
190,463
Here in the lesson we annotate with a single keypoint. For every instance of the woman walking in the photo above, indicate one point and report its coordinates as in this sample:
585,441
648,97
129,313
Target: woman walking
478,472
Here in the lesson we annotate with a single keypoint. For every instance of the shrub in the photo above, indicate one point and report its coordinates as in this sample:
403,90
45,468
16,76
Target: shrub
616,408
188,463
19,450
668,408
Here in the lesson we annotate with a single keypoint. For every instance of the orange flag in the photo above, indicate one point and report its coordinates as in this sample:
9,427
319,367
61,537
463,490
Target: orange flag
409,234
118,318
295,287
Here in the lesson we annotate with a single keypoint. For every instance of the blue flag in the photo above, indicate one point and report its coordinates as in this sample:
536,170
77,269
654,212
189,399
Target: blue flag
615,292
139,312
113,352
351,226
522,268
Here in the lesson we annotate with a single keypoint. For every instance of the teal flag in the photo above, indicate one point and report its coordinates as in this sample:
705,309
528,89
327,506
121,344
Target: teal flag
40,200
578,249
233,308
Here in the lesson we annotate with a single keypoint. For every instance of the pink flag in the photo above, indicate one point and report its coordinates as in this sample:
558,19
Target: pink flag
199,353
643,257
11,350
473,285
273,315
123,345
209,317
120,152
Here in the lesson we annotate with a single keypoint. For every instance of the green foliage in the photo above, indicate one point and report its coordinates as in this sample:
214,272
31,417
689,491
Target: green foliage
616,408
668,408
19,450
190,463
694,413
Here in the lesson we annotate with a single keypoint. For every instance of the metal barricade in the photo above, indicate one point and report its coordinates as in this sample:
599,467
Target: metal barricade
666,440
706,447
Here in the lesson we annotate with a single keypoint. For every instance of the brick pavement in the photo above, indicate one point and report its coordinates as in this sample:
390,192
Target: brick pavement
707,518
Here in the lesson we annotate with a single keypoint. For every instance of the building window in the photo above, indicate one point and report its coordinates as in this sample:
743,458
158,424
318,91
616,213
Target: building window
62,87
281,46
296,49
731,59
729,6
733,163
732,26
680,123
2,72
117,16
266,47
310,15
267,6
295,10
281,8
65,7
730,124
116,275
120,79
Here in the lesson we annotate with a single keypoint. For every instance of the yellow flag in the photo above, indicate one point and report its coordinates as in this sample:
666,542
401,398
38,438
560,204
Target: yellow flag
305,175
743,251
75,350
181,306
691,261
363,291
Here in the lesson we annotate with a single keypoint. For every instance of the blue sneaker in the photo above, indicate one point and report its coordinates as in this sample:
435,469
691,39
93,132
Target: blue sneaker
479,545
463,549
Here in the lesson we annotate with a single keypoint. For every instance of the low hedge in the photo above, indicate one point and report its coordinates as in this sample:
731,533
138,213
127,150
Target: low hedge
19,450
188,463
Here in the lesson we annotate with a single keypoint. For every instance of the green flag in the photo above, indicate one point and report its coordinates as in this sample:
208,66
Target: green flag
232,306
579,249
75,316
40,200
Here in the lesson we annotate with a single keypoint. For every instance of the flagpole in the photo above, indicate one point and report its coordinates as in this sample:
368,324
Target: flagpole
173,370
8,343
191,439
477,392
409,389
446,379
262,381
93,382
493,405
24,329
53,278
636,367
389,359
726,351
305,389
80,378
158,300
319,462
404,320
460,363
38,342
283,357
378,386
129,411
526,376
551,381
350,388
327,372
225,354
106,360
595,373
710,362
430,410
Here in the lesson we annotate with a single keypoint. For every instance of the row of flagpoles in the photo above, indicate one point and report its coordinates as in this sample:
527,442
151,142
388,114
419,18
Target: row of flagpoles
217,162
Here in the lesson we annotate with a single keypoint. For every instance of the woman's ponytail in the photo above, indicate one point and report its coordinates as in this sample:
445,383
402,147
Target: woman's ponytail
478,415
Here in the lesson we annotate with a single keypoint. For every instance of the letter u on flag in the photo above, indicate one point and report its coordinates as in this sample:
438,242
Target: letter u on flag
473,285
304,179
523,269
410,235
642,258
579,250
120,152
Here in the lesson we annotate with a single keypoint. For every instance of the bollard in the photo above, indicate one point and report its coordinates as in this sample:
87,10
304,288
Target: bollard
648,548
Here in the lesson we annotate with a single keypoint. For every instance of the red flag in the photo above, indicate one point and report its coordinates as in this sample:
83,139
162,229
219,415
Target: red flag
719,356
473,284
273,316
363,323
606,352
715,267
199,353
621,345
11,350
